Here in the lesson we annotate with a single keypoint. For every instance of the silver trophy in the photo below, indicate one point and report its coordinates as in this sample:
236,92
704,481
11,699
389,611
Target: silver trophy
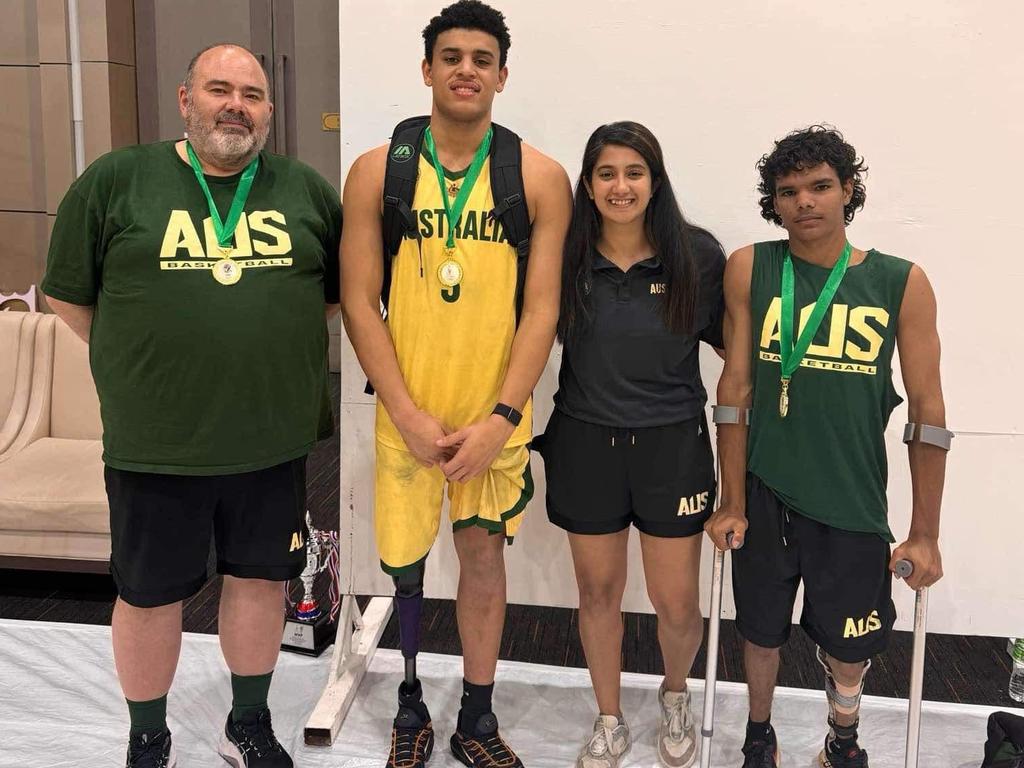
307,628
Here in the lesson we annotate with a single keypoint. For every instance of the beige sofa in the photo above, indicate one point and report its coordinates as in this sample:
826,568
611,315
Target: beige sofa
53,505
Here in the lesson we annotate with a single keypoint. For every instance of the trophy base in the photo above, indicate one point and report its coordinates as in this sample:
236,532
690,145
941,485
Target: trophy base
308,636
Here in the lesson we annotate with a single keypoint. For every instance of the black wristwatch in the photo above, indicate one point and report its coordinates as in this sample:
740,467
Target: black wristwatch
510,413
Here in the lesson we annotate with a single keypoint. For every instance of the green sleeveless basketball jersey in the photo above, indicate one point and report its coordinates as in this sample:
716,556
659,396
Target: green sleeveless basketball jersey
826,459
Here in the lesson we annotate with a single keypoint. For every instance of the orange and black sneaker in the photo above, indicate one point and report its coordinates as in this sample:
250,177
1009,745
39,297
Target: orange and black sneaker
484,748
412,734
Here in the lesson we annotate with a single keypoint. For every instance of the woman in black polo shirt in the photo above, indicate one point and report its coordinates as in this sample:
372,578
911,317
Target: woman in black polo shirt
627,443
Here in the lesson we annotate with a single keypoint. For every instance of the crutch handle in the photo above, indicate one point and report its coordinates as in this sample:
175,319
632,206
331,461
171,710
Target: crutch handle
904,569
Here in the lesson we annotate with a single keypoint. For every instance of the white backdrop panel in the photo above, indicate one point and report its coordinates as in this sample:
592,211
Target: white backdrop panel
927,90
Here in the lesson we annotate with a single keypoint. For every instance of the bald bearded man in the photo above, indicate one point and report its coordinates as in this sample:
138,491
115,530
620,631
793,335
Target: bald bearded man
200,272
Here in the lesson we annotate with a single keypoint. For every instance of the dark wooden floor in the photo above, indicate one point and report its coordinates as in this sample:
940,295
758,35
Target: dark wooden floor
965,669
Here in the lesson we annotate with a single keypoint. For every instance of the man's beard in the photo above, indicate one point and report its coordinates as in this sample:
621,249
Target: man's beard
227,149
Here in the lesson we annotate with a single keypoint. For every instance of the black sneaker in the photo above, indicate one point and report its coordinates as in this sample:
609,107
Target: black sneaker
250,743
149,750
484,748
762,752
845,755
412,739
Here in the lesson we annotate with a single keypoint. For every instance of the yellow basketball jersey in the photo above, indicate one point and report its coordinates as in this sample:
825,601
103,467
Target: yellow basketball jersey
453,342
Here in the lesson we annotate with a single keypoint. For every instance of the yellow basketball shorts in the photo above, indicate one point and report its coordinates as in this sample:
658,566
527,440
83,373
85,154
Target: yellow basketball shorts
409,496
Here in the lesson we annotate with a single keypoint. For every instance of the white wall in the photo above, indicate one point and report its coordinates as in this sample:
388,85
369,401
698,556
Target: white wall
929,91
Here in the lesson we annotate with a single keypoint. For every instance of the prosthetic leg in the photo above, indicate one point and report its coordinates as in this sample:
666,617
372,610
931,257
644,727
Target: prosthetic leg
409,602
412,738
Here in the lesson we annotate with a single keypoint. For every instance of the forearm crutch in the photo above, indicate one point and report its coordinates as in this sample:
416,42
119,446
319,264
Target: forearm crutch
707,725
721,414
903,570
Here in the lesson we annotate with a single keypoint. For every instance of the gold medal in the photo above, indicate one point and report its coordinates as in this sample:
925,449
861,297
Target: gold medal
449,273
784,398
227,272
453,190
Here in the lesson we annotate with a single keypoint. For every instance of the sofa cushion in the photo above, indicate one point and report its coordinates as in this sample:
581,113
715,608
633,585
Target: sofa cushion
55,544
75,408
55,485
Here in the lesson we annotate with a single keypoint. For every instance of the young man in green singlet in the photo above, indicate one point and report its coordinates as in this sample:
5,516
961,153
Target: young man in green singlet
199,272
810,330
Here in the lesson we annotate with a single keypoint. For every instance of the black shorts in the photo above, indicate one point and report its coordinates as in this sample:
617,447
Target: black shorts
602,479
848,608
160,527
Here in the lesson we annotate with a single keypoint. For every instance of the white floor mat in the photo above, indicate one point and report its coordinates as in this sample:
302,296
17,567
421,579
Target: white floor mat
60,707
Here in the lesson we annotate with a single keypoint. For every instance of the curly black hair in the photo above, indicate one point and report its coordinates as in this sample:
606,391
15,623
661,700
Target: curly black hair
805,149
468,14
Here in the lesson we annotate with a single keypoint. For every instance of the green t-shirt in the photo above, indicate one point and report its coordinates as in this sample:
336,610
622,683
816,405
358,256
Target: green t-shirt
196,377
826,459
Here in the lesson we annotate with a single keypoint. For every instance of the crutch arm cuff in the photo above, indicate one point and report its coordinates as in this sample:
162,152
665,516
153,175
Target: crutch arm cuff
730,414
940,437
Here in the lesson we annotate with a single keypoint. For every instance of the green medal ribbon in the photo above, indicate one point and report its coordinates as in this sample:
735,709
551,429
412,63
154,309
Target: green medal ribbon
225,229
792,354
453,210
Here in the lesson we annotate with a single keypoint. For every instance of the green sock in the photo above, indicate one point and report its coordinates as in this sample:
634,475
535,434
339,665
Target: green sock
148,716
249,693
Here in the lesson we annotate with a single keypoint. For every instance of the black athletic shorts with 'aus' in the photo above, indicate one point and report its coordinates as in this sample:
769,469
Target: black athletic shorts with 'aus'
848,608
160,529
604,479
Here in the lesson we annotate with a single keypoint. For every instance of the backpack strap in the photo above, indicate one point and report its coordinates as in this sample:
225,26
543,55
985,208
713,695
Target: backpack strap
398,220
510,206
399,189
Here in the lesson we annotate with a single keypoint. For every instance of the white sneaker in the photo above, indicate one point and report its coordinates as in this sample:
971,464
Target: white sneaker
677,734
608,744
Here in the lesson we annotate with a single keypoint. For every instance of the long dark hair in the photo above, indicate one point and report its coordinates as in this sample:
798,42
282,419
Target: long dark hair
667,231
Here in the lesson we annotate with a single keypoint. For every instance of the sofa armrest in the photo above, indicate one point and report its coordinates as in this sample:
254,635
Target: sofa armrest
36,422
19,329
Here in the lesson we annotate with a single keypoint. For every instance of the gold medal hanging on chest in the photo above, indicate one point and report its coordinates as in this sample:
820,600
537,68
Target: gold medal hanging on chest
454,196
227,272
450,272
784,398
790,353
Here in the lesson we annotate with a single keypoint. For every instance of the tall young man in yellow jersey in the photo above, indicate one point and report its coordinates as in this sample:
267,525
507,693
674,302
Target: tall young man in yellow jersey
450,353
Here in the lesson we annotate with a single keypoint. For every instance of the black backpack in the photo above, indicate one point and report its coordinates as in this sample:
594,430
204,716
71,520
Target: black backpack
506,187
1005,745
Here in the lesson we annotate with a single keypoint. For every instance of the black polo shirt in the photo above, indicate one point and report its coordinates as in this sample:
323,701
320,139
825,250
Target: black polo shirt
626,369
